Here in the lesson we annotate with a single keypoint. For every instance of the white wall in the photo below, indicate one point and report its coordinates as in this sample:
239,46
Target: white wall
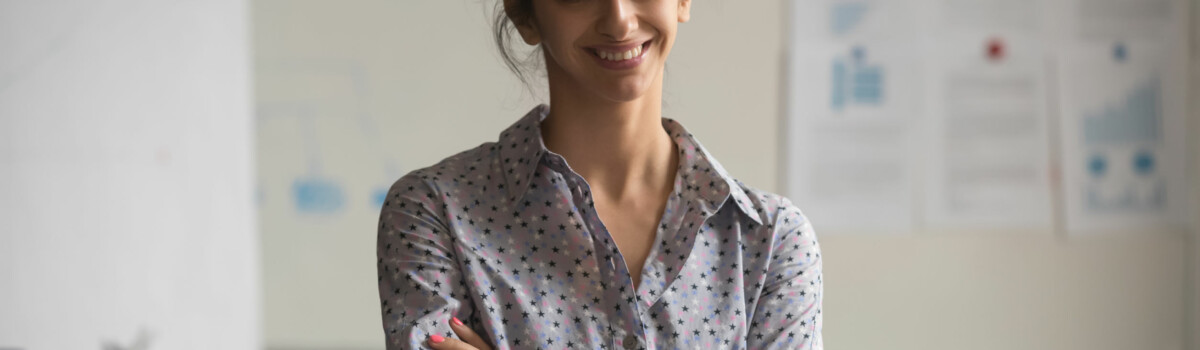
125,165
1194,296
431,68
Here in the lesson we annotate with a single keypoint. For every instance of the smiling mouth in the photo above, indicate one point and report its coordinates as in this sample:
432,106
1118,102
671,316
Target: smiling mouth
619,56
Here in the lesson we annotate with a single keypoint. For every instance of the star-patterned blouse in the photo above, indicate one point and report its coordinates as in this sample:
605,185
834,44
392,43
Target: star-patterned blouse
505,237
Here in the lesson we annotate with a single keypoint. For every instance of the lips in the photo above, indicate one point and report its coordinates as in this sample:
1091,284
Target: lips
619,56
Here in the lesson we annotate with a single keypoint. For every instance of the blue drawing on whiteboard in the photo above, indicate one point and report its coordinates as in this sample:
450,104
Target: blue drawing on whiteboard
317,196
1124,138
378,197
855,82
314,190
844,17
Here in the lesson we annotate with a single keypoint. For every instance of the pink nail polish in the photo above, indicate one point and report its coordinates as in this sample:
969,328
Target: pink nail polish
456,321
436,338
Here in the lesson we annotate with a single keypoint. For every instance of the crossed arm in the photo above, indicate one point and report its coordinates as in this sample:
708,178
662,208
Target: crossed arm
787,314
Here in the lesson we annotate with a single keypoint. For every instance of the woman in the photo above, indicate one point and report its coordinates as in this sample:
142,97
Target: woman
593,222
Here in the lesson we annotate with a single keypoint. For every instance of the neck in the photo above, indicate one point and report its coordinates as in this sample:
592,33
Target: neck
620,148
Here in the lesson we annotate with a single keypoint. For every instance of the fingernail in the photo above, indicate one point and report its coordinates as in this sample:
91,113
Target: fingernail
456,321
436,338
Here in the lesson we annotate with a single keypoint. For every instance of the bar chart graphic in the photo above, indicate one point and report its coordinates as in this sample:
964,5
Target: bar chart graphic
1123,143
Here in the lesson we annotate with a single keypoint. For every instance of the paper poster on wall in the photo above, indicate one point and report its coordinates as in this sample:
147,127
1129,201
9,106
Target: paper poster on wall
983,114
849,135
986,144
1122,122
850,113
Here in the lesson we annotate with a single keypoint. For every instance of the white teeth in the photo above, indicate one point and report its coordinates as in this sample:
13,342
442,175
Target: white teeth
621,56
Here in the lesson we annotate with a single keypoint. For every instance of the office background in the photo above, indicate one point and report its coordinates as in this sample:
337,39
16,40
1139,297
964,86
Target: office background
278,123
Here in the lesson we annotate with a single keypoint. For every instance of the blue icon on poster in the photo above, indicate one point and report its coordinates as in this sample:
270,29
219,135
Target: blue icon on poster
1097,165
1120,52
856,82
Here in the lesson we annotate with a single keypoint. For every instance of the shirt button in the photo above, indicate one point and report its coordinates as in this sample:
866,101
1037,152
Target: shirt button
630,341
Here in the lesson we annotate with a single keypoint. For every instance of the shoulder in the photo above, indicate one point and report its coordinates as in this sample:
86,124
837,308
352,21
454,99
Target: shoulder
466,168
781,217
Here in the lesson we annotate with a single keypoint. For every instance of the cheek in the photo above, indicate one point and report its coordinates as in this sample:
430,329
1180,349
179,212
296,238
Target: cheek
666,39
565,52
559,51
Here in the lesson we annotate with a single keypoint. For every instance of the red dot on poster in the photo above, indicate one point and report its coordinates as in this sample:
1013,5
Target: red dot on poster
995,49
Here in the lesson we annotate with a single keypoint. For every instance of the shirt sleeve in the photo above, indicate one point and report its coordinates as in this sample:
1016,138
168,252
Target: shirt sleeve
420,285
788,312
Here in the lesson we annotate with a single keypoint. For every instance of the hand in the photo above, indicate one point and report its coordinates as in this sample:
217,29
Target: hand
470,340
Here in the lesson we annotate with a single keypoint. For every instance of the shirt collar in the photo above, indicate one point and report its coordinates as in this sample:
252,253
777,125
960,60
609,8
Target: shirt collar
706,185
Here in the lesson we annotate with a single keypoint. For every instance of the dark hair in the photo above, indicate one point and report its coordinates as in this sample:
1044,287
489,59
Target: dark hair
503,26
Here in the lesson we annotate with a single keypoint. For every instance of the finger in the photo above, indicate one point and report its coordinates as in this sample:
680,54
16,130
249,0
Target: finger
442,343
467,334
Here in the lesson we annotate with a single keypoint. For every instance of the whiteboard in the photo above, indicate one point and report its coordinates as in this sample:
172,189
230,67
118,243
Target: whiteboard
126,216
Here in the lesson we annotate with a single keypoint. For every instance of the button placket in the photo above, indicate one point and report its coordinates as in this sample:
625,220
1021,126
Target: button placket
582,200
632,310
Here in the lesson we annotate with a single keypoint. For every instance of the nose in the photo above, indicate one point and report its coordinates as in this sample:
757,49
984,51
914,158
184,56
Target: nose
618,21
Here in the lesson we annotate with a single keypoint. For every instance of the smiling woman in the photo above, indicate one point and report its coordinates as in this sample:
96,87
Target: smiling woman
594,221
